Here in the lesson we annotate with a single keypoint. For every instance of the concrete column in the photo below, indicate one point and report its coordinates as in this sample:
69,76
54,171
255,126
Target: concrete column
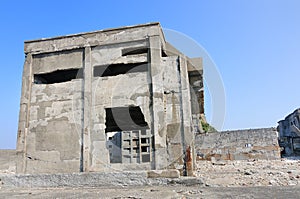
24,114
188,135
156,104
292,145
87,104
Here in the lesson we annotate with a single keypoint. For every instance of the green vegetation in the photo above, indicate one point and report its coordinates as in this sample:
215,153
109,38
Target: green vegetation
207,127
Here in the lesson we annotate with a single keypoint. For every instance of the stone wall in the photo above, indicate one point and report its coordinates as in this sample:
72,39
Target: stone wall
7,161
238,145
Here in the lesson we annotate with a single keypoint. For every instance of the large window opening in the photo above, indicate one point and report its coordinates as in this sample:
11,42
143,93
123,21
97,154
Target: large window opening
134,51
128,136
58,76
118,69
124,119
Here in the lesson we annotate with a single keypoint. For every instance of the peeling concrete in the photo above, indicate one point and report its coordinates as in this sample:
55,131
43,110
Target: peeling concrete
63,119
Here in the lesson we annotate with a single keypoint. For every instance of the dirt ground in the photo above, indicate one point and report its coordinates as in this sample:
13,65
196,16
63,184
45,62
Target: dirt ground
284,172
153,192
233,179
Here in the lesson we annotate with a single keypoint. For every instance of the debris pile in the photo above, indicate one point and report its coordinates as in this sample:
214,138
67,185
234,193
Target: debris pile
282,172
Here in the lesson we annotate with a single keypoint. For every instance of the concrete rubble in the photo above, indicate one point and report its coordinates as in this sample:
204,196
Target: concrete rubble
237,173
250,173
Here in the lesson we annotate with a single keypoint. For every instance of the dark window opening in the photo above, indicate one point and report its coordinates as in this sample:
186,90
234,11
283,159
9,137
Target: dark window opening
145,149
144,140
134,51
118,69
163,53
124,119
58,76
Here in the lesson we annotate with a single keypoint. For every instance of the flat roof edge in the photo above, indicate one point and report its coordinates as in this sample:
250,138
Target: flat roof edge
93,32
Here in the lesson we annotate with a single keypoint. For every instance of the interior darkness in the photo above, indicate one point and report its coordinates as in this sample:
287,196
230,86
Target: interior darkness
163,53
117,69
134,51
125,119
58,76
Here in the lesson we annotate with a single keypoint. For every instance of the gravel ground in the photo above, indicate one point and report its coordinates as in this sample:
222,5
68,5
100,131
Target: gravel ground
232,179
284,172
153,192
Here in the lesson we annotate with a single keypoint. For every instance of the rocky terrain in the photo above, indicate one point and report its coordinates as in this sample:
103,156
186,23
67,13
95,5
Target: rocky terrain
284,172
222,179
153,192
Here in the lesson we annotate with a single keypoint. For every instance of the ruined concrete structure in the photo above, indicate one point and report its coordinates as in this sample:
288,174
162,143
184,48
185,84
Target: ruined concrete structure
239,145
289,134
117,99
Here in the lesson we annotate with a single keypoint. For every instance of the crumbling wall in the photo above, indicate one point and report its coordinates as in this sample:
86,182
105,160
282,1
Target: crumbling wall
71,85
116,90
238,145
52,143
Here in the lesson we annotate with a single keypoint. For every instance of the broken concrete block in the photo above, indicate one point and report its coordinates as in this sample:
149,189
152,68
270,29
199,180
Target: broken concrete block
172,173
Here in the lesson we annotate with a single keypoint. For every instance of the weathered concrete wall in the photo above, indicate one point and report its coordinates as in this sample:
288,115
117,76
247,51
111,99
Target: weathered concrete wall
53,144
239,145
62,125
8,161
48,62
131,89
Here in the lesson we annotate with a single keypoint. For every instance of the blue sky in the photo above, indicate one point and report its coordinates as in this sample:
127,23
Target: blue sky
255,45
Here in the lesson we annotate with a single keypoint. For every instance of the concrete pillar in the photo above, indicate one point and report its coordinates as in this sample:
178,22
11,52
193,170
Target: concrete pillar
87,104
188,135
24,114
292,145
156,104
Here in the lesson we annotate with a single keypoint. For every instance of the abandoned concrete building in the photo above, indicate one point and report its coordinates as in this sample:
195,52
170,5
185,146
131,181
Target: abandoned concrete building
289,133
117,99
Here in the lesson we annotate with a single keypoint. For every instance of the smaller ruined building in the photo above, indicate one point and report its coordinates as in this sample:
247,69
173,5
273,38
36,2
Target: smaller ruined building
116,99
289,134
244,144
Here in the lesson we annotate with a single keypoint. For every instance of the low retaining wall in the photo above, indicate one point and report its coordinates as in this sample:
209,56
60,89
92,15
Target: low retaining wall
238,145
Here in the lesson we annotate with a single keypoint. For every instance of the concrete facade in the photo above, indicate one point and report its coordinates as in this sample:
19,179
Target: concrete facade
289,134
239,145
80,91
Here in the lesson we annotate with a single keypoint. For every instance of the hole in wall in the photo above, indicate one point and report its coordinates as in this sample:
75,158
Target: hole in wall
127,135
58,76
134,51
118,69
125,118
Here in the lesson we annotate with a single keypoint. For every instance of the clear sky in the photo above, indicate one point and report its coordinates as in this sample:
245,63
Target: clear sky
255,45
